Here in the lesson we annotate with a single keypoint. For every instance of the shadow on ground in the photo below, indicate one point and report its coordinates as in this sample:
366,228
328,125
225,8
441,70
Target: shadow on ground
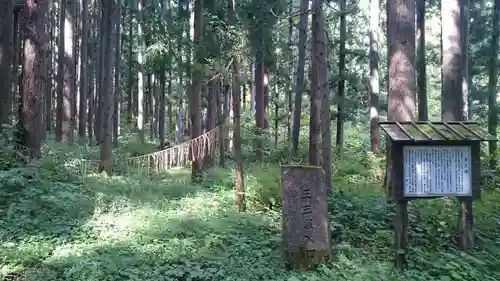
167,229
133,229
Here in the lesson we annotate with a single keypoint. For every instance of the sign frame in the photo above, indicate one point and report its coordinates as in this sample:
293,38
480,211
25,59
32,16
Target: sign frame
435,163
396,188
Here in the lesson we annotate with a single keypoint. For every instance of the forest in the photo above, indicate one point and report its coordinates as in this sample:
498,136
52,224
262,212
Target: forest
149,139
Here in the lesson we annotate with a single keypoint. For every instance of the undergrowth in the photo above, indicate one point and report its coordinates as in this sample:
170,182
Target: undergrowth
54,226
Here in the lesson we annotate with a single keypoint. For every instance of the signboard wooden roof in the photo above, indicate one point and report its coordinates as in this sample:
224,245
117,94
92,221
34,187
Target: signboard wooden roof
427,131
19,4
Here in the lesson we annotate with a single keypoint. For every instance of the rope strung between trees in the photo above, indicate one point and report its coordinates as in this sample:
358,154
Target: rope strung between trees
178,156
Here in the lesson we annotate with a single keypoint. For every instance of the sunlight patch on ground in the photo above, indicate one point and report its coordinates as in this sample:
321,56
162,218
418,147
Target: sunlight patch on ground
117,219
115,226
73,250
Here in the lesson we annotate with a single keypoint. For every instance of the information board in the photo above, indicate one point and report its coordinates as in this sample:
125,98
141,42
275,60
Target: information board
431,171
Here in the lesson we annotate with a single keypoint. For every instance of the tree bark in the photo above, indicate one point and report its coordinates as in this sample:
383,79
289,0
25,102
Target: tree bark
342,70
259,100
34,74
465,56
451,72
211,118
374,75
84,81
161,111
492,85
195,103
401,97
140,73
63,110
130,100
240,179
6,59
48,110
106,89
290,77
117,89
317,88
421,64
299,86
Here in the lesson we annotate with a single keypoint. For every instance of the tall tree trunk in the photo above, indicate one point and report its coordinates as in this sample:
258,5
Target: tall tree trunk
195,103
401,95
34,74
69,72
299,85
17,48
265,99
259,100
62,114
318,59
74,65
92,73
244,96
84,81
290,78
492,85
322,86
211,118
130,101
6,59
117,89
212,85
52,77
64,102
179,128
106,90
170,125
153,107
465,56
240,180
374,75
472,26
19,53
421,64
140,72
452,104
252,87
222,123
161,111
148,116
451,101
342,72
240,183
99,73
276,100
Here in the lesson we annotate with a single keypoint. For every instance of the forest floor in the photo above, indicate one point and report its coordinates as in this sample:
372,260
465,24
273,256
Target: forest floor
54,227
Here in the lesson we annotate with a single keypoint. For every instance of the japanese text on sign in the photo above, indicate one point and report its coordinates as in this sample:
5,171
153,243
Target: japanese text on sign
437,171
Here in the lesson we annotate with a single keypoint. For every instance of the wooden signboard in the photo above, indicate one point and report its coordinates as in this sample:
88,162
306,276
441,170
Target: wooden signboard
429,160
431,171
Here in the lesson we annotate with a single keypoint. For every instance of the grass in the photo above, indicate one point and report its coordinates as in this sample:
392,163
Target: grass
56,227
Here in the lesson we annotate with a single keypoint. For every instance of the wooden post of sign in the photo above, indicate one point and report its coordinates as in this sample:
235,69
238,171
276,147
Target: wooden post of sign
401,234
306,229
465,215
465,235
396,169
